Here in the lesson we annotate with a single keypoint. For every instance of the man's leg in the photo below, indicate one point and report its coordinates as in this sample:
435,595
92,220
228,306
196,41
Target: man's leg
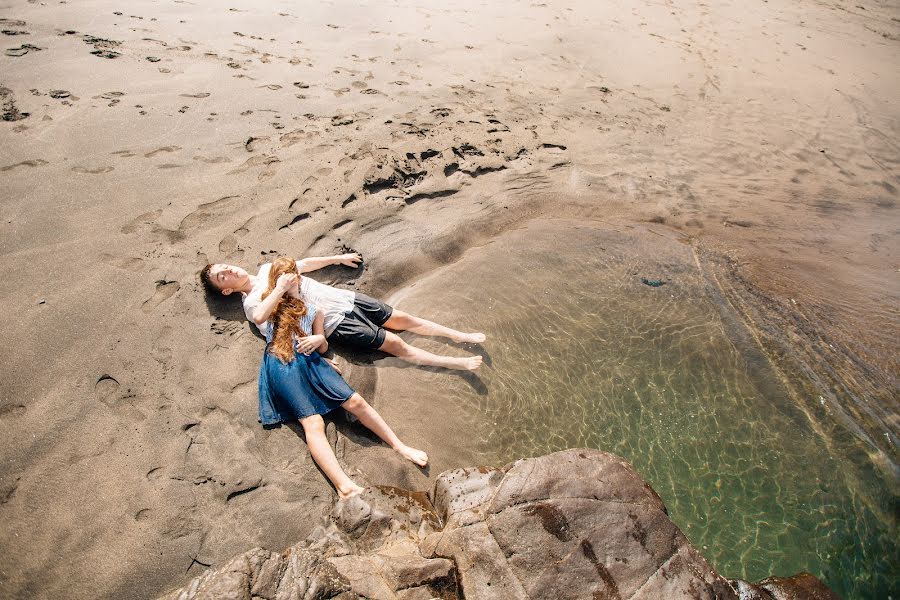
396,346
401,321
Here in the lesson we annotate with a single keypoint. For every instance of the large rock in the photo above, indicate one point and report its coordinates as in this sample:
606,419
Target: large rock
574,524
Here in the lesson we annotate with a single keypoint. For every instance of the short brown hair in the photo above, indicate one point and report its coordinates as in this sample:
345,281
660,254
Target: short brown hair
206,280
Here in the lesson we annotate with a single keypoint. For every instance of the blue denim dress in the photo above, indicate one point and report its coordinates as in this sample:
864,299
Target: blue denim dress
306,386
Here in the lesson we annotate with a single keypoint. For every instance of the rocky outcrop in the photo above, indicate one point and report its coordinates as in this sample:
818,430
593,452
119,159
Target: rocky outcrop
574,524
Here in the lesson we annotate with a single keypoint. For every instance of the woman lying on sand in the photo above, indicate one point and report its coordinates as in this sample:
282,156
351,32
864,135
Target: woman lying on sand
297,383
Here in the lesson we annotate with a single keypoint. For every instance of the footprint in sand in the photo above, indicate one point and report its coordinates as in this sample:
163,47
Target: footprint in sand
213,160
22,50
123,262
94,171
197,95
164,291
153,153
299,218
228,244
37,162
105,53
106,388
257,161
12,410
253,143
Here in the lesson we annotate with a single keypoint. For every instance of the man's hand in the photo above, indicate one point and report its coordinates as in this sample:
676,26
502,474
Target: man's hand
349,260
308,344
285,282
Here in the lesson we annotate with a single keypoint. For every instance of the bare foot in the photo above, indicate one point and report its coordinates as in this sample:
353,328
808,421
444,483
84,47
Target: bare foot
350,490
471,363
411,454
460,364
470,338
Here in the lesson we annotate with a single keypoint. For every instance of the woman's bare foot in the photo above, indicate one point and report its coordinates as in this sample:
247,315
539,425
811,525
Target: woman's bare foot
349,490
470,338
413,455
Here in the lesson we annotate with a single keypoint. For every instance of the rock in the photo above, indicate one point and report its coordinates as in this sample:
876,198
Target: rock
802,586
574,524
384,577
298,574
568,525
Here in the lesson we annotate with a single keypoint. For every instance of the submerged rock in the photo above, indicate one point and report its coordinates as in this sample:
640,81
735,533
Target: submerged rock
573,524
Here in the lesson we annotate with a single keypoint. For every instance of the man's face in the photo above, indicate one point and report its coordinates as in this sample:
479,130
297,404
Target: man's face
228,278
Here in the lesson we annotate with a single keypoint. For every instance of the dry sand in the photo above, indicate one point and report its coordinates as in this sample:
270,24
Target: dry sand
159,136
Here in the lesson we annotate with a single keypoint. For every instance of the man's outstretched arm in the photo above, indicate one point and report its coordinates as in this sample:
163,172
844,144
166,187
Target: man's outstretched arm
314,263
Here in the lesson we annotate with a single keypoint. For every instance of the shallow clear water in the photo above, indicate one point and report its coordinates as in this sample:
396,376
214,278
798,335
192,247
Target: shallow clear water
583,354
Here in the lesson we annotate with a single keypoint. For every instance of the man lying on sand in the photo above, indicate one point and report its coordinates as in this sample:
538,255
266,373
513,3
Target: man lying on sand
351,318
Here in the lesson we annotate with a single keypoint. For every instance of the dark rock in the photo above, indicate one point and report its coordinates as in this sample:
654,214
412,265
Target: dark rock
802,586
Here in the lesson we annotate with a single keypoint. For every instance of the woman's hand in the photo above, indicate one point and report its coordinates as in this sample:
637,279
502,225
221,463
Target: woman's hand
349,260
285,282
308,344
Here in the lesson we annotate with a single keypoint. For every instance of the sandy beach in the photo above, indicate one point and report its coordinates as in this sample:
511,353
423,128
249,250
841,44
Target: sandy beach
140,142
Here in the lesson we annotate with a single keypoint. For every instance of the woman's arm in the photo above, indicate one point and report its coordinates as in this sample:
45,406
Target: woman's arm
316,340
318,328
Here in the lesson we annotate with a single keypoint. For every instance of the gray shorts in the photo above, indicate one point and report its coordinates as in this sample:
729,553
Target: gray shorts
361,326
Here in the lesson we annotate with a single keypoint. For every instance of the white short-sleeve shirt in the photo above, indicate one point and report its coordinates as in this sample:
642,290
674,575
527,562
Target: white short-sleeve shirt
333,302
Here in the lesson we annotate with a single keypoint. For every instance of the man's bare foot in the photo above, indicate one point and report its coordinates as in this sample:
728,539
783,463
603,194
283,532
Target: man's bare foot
470,338
469,363
350,490
472,363
413,455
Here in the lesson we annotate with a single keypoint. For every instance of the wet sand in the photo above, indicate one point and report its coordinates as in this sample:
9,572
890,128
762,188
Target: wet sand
140,142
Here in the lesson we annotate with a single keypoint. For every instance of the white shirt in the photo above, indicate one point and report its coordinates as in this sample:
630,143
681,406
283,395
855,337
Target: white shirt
333,302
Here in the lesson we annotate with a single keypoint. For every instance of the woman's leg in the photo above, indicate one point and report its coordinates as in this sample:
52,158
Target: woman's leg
321,451
402,321
396,346
369,417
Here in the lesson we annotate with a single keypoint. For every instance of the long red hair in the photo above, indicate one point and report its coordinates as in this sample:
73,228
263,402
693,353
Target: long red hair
287,313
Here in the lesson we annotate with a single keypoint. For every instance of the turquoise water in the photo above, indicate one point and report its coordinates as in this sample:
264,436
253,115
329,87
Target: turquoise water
582,354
